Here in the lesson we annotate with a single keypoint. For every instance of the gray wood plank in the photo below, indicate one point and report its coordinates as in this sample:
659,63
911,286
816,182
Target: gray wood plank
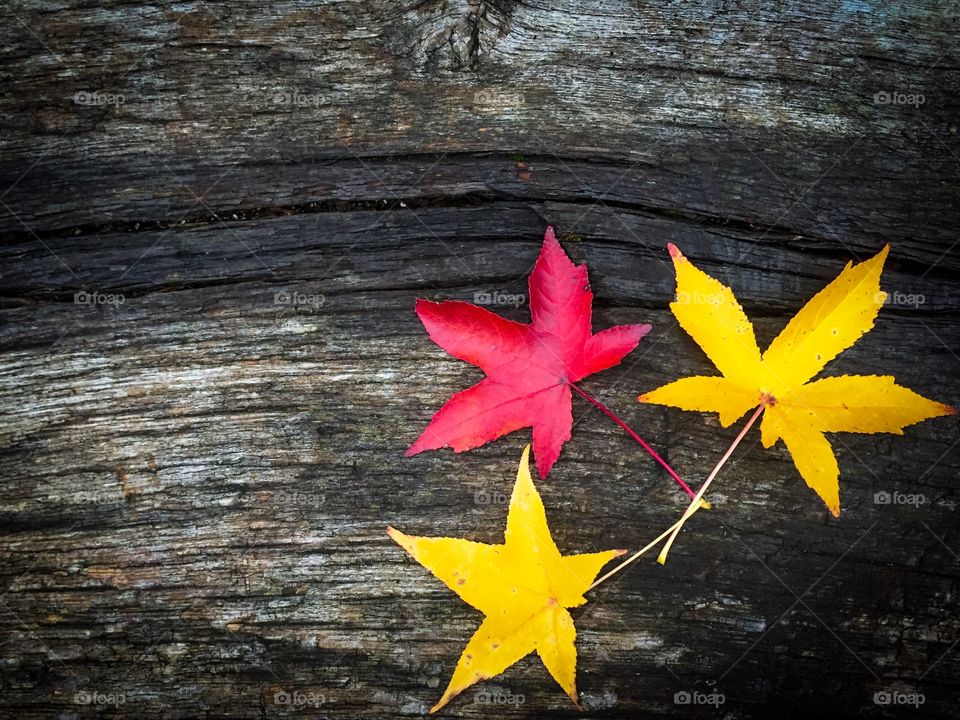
196,478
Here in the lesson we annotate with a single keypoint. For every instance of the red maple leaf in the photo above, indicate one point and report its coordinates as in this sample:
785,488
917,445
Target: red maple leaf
530,368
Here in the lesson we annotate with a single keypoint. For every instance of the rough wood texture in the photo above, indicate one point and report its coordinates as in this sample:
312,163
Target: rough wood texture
196,480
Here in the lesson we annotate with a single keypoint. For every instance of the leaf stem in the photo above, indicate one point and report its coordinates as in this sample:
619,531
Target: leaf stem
694,505
692,508
640,553
653,453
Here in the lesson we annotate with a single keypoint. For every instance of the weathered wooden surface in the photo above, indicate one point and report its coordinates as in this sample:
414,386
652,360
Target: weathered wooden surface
196,481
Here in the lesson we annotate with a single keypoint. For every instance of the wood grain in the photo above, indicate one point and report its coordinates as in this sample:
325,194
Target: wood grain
197,476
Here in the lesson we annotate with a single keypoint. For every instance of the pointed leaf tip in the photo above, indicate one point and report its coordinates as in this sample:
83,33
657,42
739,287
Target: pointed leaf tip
879,259
675,252
394,535
421,304
549,236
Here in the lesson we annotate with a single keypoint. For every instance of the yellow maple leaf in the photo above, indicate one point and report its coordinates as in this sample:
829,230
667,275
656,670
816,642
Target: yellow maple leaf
523,587
797,410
